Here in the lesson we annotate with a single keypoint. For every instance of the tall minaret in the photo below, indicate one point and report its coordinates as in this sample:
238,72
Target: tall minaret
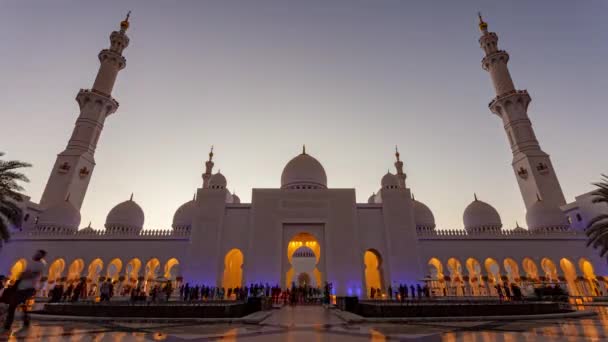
74,166
533,169
208,170
399,166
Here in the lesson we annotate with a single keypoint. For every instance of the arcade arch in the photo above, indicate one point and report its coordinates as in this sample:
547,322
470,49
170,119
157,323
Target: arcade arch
475,278
589,279
233,269
456,281
530,268
373,271
512,270
75,269
570,276
114,268
548,266
56,270
16,270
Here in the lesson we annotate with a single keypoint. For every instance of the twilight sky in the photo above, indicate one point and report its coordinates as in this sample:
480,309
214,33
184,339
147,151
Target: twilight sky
350,79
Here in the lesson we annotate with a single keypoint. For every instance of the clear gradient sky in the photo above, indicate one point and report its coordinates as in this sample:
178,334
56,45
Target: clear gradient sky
350,79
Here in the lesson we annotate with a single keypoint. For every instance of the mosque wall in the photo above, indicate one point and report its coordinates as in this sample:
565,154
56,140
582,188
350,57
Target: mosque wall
234,235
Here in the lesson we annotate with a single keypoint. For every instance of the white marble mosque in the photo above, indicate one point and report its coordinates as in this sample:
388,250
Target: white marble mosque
312,233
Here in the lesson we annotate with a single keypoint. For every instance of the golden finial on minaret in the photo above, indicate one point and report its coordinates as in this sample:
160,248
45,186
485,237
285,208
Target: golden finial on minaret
304,149
397,152
211,153
124,25
483,26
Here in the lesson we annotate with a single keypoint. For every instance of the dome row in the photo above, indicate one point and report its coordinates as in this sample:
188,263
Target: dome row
304,172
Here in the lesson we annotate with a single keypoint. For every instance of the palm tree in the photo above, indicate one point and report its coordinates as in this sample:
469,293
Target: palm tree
597,229
10,212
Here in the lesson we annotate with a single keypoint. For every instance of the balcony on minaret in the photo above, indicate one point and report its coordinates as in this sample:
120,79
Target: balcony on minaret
522,172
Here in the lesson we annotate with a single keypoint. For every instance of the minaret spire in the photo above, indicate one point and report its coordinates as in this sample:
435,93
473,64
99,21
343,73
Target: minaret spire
532,166
208,169
401,176
74,166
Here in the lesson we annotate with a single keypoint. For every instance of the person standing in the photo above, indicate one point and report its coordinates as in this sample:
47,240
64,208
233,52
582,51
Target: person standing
26,288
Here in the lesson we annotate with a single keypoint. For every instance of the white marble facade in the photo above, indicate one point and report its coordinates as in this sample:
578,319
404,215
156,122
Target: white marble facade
305,231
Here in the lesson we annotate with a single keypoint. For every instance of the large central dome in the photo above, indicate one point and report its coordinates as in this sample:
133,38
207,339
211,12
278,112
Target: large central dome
303,172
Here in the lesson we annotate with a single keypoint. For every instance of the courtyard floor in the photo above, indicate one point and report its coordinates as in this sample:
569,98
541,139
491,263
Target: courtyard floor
314,323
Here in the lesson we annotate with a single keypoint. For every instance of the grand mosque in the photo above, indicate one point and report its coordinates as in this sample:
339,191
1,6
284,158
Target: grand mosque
305,231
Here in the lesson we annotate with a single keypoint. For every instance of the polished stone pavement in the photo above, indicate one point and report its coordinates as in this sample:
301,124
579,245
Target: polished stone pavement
314,323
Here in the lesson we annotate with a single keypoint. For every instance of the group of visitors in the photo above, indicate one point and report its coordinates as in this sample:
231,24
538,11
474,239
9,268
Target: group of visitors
72,293
294,295
402,292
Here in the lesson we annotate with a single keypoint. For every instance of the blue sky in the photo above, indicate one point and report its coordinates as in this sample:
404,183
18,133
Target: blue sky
350,79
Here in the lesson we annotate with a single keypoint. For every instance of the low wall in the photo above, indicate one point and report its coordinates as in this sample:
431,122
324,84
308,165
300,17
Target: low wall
171,310
458,309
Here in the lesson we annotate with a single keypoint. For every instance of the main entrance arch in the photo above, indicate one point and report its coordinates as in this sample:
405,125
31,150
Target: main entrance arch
303,257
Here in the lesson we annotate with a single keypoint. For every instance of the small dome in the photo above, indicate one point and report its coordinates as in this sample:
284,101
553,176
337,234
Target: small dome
389,181
218,181
184,215
372,199
236,199
127,214
479,216
519,229
303,172
544,216
61,215
423,216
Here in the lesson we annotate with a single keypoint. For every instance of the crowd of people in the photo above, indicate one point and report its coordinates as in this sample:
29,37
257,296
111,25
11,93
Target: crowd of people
301,294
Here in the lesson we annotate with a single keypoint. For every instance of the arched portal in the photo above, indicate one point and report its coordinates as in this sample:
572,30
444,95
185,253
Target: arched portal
570,276
114,268
373,271
152,268
56,270
75,269
475,277
16,270
549,268
132,270
590,281
303,279
456,282
437,283
233,269
493,276
94,271
300,240
530,268
172,271
512,270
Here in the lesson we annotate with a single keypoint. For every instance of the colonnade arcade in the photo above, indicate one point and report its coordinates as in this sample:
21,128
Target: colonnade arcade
125,274
479,278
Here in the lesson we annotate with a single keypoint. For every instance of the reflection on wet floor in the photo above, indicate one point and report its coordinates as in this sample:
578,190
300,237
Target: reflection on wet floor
313,323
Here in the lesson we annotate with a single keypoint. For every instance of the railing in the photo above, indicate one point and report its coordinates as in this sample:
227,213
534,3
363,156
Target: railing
554,232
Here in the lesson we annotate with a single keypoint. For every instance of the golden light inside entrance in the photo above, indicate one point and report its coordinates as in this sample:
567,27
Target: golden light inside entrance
95,268
305,240
17,269
172,269
233,269
56,269
373,271
132,270
114,268
75,269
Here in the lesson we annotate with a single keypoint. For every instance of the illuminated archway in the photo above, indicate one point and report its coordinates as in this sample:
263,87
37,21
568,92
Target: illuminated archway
94,271
570,276
530,268
437,282
549,268
16,270
373,271
493,275
475,277
302,240
512,270
590,280
132,270
233,269
172,270
114,268
75,269
152,267
55,270
456,281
